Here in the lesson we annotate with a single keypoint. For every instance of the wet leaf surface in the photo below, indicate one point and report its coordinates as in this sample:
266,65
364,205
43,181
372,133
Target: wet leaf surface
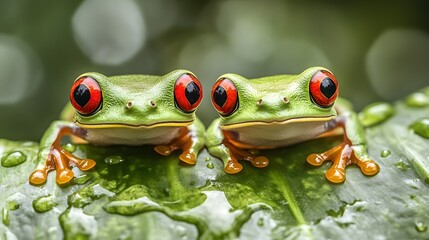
133,193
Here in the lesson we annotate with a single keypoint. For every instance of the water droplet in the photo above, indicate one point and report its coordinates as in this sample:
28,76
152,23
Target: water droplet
402,165
376,113
12,205
115,159
208,159
83,198
421,127
5,216
69,147
260,222
417,99
210,165
385,153
44,204
421,227
12,159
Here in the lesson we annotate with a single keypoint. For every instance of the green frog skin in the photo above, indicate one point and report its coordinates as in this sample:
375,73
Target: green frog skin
125,110
282,110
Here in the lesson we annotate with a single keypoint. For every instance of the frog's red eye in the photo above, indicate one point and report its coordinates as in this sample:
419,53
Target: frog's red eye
225,97
85,96
188,92
323,89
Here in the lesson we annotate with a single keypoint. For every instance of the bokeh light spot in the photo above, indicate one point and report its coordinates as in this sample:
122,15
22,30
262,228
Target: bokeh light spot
108,31
397,62
20,70
294,55
251,30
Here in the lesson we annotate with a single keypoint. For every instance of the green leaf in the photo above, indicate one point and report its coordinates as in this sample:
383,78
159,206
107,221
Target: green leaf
133,193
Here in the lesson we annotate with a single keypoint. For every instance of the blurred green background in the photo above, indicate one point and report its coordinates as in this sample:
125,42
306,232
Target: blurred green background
377,50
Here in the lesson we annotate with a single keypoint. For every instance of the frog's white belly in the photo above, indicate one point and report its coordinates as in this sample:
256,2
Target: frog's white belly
279,134
131,136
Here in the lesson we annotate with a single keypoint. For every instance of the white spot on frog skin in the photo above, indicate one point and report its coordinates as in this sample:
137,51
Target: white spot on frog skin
108,31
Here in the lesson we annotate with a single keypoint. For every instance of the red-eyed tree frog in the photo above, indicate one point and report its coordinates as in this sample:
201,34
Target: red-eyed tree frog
282,110
126,110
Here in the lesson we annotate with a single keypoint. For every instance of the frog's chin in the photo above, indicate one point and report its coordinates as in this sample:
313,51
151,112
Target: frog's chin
282,122
131,126
262,135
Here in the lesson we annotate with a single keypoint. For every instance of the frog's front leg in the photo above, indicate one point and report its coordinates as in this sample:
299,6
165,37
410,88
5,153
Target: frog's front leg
351,151
219,145
52,157
190,139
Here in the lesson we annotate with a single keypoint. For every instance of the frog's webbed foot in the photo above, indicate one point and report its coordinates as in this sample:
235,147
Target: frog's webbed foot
60,160
233,166
342,156
186,142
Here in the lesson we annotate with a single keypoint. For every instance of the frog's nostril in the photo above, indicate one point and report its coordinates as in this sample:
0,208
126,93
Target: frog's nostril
129,104
286,100
152,103
259,102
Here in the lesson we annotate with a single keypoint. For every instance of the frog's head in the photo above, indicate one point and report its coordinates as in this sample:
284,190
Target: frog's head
304,97
136,100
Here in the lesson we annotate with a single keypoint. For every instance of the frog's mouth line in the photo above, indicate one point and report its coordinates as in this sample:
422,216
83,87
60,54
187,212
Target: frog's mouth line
142,126
288,121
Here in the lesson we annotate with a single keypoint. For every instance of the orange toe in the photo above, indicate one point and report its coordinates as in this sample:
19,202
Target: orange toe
64,176
38,177
86,164
233,167
260,161
188,158
163,150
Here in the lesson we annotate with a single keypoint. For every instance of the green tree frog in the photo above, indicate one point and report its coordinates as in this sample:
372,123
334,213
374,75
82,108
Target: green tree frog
126,110
283,110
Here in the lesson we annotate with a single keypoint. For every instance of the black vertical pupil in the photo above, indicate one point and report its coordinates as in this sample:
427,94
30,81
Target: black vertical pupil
81,95
328,87
192,92
219,96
